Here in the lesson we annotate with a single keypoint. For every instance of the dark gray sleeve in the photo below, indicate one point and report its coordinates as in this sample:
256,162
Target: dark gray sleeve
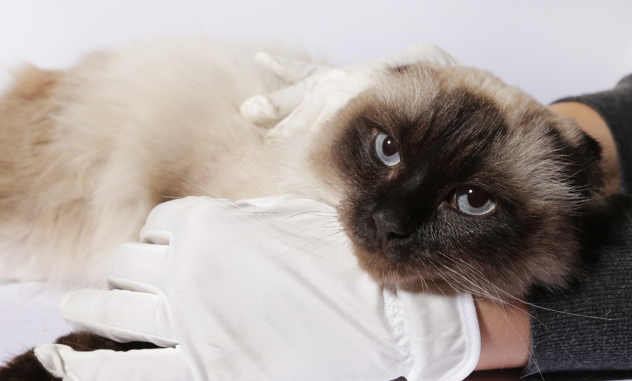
615,108
590,327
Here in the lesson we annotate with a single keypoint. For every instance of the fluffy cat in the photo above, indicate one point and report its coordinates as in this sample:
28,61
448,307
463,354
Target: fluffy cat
486,192
438,173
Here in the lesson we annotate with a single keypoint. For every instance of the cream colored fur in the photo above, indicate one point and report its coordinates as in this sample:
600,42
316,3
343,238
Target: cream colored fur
87,153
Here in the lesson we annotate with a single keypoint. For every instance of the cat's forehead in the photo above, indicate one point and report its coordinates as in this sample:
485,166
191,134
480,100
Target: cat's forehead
462,122
429,118
430,100
428,104
423,90
447,115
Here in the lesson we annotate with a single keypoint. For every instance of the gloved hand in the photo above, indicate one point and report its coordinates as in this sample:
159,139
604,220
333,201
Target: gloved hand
319,91
237,291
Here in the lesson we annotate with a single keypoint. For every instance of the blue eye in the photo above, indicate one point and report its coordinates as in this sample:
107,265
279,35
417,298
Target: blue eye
386,149
474,201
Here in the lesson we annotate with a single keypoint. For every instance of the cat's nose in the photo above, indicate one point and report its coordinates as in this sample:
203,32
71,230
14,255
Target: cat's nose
391,225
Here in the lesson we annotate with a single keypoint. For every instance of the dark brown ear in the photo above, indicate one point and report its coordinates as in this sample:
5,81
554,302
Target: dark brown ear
586,171
27,367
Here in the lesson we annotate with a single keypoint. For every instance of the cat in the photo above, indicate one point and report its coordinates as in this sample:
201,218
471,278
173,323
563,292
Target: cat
438,173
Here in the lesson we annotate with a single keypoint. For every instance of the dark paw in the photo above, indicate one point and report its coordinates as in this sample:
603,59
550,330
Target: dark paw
26,367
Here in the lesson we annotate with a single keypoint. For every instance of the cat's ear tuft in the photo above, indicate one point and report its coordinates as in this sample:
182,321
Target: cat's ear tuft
588,158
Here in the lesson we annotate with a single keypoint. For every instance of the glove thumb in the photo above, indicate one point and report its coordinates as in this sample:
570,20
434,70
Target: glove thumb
165,364
268,110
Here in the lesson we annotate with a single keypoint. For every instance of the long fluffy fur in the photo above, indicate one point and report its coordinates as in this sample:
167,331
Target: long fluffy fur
87,153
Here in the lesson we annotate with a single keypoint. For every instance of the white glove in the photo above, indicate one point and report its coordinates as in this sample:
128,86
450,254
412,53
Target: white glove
319,91
242,292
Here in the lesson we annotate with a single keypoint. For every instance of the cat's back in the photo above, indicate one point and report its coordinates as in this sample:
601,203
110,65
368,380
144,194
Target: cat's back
87,152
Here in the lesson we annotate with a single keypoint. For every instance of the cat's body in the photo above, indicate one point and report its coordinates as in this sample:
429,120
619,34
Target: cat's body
438,173
86,154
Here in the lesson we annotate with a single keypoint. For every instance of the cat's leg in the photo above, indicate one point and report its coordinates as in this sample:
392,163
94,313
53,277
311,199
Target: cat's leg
26,367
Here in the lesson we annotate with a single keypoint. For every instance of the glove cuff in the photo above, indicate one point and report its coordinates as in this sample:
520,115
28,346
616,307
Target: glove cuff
442,333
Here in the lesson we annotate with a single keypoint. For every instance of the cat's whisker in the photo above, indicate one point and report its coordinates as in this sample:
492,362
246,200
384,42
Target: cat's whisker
308,229
310,243
517,332
463,262
505,301
461,286
507,295
561,344
468,285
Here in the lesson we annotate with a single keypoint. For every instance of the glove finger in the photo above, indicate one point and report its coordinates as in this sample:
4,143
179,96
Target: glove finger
137,267
120,315
267,110
299,121
287,69
330,93
165,364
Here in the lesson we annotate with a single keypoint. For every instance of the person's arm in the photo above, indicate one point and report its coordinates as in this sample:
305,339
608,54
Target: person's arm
505,335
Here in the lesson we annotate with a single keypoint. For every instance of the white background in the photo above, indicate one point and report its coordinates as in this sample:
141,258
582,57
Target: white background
548,48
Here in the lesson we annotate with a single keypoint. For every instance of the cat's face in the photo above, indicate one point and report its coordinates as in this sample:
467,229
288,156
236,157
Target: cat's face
448,174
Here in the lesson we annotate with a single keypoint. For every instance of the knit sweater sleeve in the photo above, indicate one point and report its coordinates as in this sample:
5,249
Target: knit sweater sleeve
589,328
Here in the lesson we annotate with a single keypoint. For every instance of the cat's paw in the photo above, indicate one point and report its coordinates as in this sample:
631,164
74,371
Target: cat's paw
26,367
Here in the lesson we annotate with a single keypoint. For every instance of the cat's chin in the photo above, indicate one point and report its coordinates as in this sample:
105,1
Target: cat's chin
390,270
384,269
387,267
